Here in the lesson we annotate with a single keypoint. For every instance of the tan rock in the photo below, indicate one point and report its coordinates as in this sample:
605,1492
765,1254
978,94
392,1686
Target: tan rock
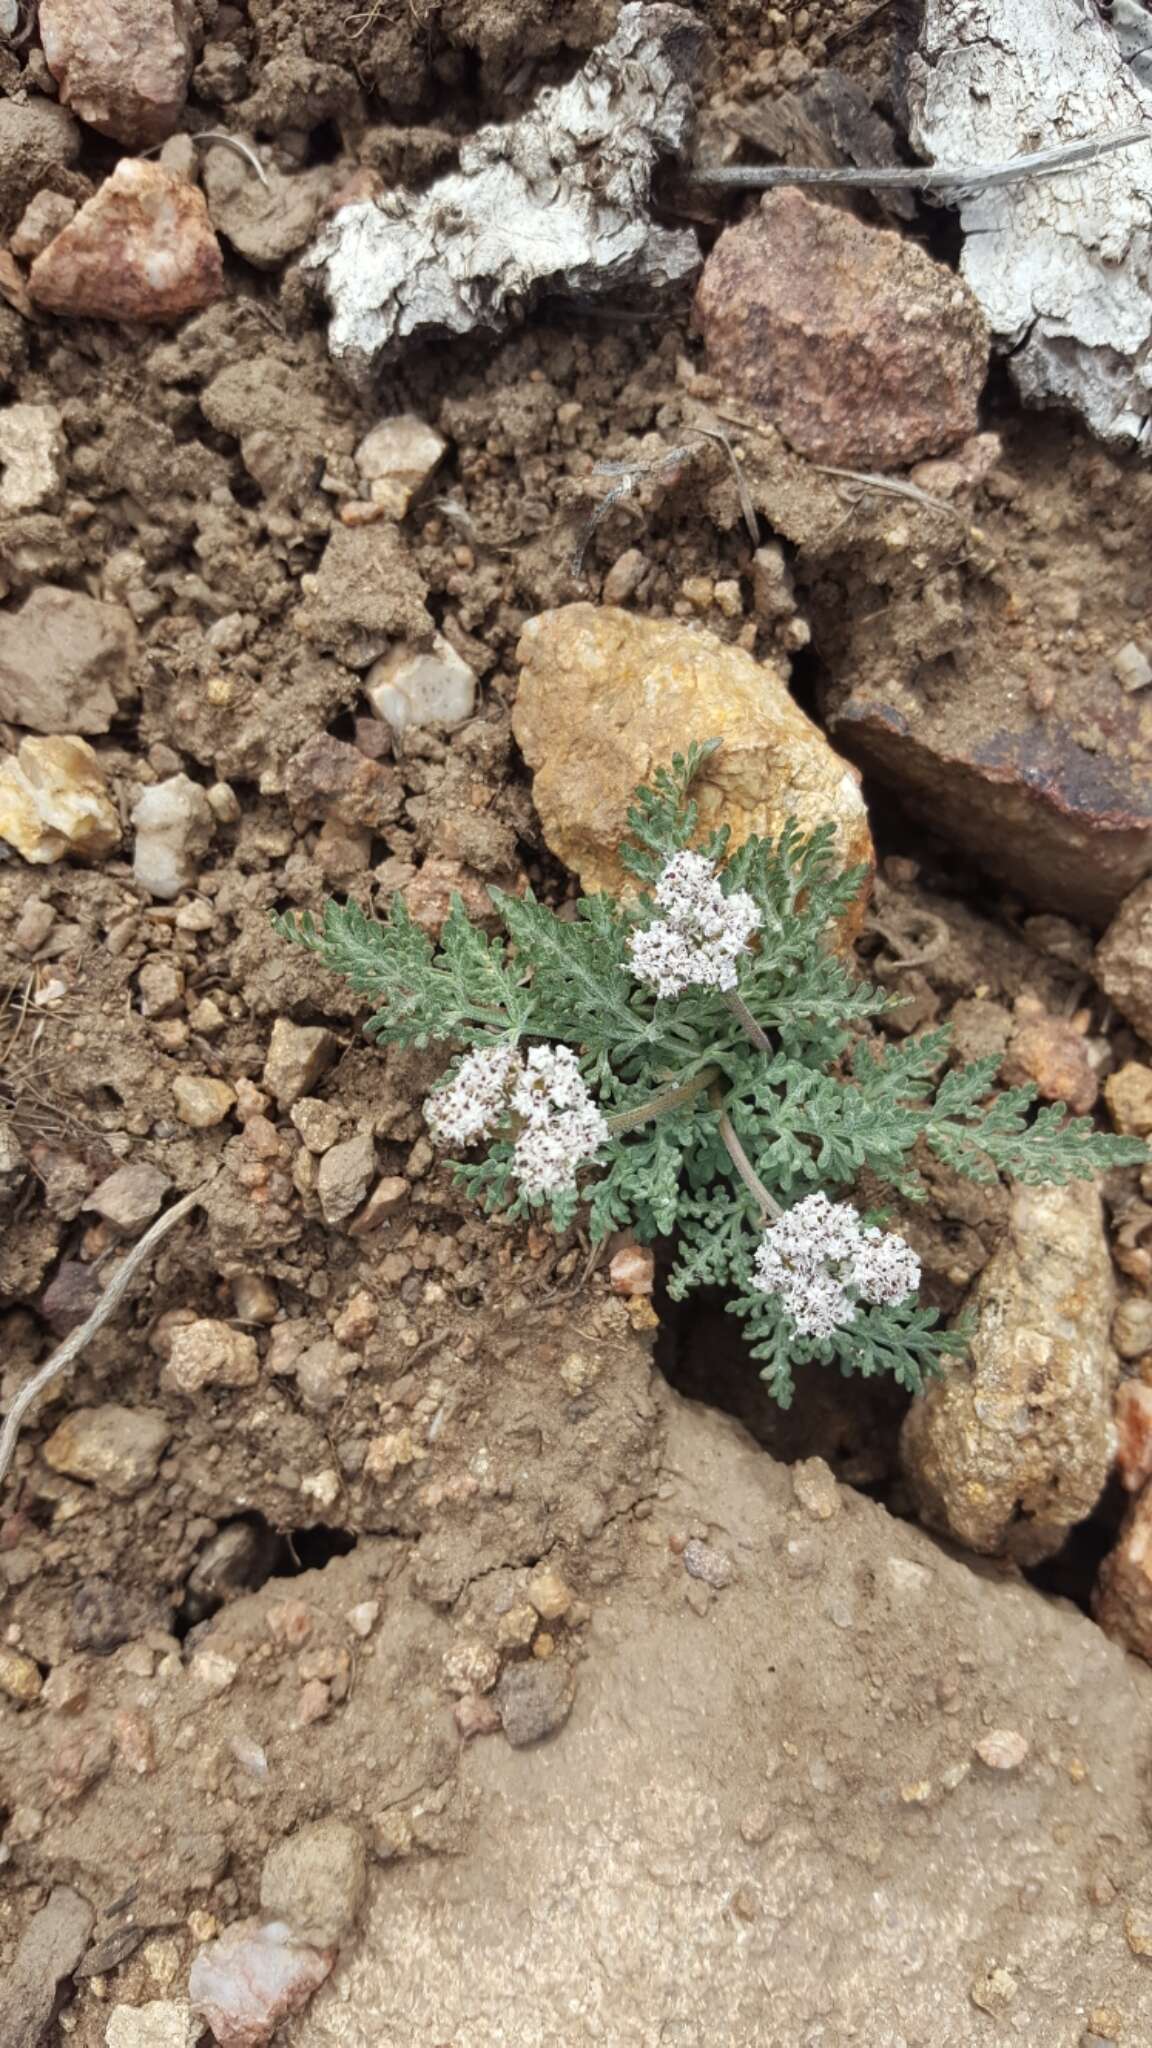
396,458
606,698
116,1448
65,662
141,249
1128,1093
122,65
202,1102
297,1056
346,1173
1124,960
43,218
859,346
388,1196
210,1354
1132,1326
19,1676
1051,1054
265,223
1015,1444
54,801
130,1197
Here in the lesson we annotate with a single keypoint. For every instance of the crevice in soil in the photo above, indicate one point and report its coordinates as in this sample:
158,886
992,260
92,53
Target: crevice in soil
244,1554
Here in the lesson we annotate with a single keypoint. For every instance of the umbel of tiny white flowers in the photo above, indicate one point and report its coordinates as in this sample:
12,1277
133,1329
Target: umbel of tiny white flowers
562,1126
700,940
475,1100
820,1260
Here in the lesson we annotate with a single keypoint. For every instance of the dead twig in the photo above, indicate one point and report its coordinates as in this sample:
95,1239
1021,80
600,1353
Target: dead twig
1039,163
893,486
238,148
69,1351
630,476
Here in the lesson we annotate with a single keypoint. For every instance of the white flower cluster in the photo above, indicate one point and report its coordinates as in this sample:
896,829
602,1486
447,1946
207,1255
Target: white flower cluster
819,1259
475,1100
562,1125
703,935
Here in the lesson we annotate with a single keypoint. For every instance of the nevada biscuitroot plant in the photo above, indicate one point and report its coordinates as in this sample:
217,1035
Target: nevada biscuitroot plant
693,1061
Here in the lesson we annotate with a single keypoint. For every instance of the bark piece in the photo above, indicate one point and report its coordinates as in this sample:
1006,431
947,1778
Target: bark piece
556,201
1062,266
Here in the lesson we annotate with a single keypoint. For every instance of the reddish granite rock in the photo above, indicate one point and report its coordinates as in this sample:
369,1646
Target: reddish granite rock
1124,972
141,249
1134,1434
1123,1602
328,778
1052,1054
851,340
122,65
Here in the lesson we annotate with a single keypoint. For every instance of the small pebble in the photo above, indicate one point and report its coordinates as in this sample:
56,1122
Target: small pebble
1002,1749
19,1677
702,1561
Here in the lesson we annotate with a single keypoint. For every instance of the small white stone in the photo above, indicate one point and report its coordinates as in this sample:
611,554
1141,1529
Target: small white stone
412,689
165,2023
396,458
213,1670
321,1487
1132,668
1002,1749
31,453
174,826
363,1617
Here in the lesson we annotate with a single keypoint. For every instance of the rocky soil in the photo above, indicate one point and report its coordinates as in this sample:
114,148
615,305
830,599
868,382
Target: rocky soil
396,1646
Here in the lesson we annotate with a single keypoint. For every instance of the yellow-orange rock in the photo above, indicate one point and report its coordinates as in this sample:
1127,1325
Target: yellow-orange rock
54,801
141,249
607,697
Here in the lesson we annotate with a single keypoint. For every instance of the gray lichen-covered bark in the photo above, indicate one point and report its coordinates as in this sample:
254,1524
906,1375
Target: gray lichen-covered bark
556,201
1061,265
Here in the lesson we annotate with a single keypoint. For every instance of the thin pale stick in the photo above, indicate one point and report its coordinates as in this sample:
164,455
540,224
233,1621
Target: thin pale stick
1040,163
67,1353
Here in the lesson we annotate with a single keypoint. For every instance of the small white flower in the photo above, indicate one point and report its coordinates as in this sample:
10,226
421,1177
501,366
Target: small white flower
820,1261
703,936
475,1100
550,1149
550,1079
885,1269
562,1125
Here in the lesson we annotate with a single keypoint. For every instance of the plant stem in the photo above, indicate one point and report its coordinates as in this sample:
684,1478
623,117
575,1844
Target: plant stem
747,1021
740,1160
664,1100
